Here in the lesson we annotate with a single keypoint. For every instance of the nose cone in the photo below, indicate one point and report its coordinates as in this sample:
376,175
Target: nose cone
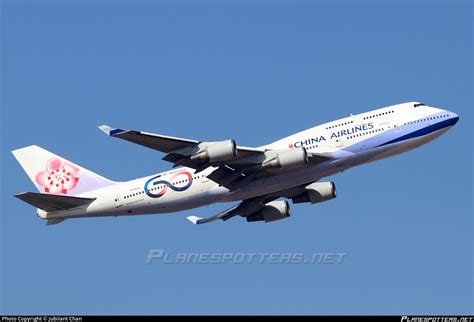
454,118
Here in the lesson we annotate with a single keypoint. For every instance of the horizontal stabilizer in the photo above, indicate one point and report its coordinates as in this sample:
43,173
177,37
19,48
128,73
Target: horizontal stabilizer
49,202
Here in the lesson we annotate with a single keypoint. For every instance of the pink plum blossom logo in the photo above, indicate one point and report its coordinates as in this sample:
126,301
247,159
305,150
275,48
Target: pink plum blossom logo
59,177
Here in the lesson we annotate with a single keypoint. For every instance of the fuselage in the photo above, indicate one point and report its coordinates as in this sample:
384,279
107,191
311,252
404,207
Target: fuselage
353,140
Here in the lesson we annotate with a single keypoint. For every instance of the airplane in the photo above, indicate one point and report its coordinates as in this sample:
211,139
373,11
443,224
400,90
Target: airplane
261,179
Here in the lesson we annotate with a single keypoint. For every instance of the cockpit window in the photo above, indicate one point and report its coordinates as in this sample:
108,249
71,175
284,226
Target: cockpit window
419,104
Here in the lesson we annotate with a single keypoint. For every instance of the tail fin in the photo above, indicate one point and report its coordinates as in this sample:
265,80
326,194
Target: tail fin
52,174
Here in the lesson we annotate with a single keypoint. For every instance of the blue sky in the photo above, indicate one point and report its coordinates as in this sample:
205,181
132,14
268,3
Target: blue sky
254,72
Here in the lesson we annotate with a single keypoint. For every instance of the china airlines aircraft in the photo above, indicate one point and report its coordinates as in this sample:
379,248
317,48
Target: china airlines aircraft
208,172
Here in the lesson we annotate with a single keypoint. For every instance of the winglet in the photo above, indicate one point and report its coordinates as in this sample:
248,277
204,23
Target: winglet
226,214
198,220
110,130
195,220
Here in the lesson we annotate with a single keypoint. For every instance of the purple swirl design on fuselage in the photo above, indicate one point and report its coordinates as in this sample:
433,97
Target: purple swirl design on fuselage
150,184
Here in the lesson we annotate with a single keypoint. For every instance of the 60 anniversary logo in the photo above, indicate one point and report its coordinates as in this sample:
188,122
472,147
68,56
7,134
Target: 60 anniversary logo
167,184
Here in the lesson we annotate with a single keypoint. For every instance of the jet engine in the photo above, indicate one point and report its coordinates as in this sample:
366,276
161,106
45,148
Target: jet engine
287,159
217,151
272,211
317,192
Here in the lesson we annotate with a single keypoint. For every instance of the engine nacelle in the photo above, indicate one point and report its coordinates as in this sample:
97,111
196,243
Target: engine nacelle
218,151
274,210
288,159
317,192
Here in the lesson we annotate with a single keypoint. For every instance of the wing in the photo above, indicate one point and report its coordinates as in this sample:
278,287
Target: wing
178,150
235,166
161,143
250,206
